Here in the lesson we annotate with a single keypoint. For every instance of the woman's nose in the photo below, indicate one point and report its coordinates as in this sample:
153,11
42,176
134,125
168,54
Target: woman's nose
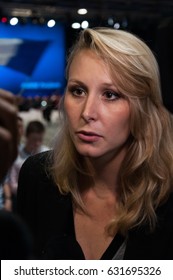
90,109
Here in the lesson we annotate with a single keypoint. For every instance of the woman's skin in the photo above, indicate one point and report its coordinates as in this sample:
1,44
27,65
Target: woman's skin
99,124
98,116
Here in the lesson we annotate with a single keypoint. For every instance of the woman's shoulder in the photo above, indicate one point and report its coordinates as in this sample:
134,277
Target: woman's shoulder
41,157
40,161
36,168
156,244
36,181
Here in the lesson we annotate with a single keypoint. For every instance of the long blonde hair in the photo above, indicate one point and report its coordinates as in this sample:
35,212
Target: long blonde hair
146,173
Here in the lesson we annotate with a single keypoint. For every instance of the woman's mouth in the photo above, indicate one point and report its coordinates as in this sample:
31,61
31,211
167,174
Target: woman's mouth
88,136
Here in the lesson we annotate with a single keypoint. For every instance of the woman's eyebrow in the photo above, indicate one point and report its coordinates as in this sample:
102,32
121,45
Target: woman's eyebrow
77,82
81,83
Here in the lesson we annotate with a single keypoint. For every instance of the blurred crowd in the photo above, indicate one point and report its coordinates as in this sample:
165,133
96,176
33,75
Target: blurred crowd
31,136
44,103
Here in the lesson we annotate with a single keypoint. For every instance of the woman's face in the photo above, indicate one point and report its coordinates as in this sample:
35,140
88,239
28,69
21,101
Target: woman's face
98,116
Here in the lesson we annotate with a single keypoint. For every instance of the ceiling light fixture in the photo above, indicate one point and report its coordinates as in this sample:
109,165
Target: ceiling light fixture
14,21
82,11
84,24
75,25
51,23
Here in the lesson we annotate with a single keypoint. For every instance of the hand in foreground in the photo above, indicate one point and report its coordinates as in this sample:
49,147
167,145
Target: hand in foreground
8,131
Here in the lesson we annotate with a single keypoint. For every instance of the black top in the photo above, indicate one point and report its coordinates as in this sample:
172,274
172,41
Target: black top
49,215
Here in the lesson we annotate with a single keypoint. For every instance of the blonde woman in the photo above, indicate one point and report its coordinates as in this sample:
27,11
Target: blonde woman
105,191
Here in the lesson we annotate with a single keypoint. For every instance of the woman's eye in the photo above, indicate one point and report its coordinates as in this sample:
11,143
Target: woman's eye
110,95
77,91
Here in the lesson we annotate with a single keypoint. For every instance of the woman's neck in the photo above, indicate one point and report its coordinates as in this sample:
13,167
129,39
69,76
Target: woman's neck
105,174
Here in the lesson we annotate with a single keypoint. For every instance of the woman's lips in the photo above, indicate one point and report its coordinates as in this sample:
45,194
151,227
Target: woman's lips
88,136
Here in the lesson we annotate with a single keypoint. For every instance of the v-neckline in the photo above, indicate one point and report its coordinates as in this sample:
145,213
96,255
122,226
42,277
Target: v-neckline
112,248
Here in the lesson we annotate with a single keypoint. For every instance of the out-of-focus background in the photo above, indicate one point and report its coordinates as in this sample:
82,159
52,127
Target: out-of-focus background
51,128
36,35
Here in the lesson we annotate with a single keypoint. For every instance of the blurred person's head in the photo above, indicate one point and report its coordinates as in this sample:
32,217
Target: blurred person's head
34,134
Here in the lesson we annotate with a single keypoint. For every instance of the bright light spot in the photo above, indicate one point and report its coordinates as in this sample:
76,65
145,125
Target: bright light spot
51,23
82,11
84,24
117,25
43,103
75,25
14,21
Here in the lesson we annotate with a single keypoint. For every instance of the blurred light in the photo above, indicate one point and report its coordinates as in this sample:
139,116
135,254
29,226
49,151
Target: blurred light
117,25
14,21
51,23
4,19
82,11
84,24
43,103
110,21
19,12
75,25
